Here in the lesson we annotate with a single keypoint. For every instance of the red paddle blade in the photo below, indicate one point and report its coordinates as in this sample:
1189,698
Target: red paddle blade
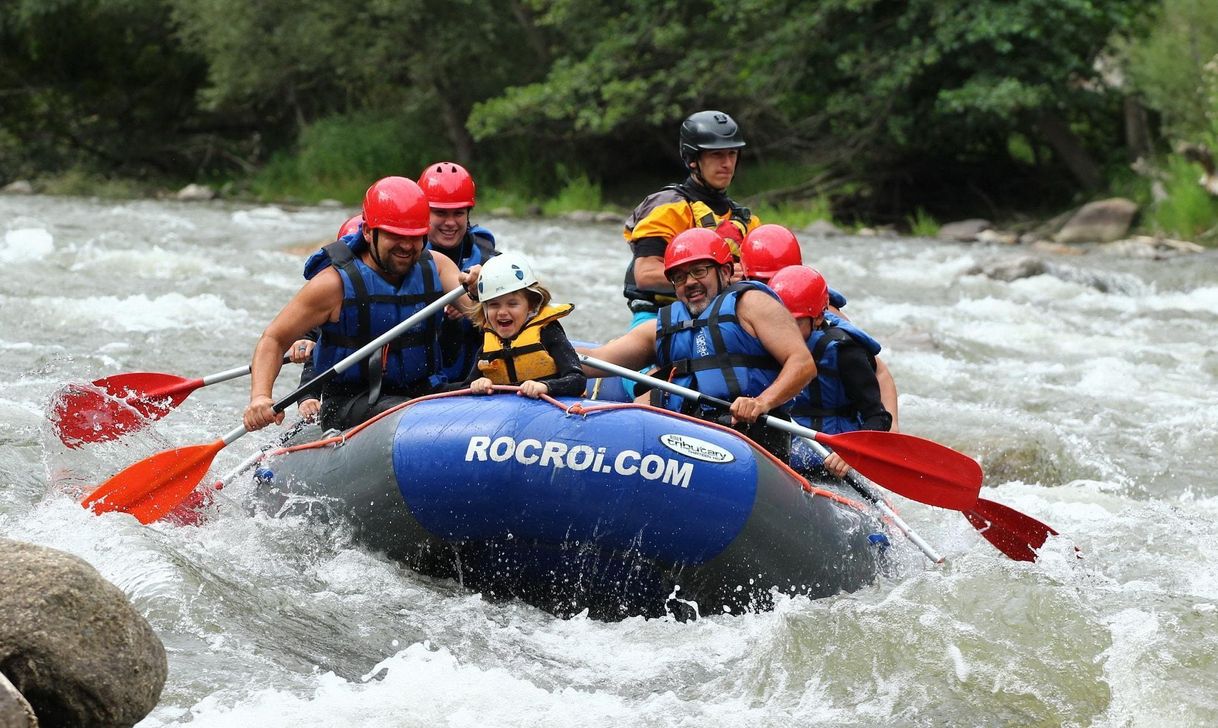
152,487
1015,534
919,469
114,406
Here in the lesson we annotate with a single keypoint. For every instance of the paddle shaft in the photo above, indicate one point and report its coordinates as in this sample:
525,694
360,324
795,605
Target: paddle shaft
854,478
228,374
862,485
359,355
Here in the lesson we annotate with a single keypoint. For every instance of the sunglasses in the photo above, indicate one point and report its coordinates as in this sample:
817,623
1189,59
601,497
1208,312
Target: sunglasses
698,272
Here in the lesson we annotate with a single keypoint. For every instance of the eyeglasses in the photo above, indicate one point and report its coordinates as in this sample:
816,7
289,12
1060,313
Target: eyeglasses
698,272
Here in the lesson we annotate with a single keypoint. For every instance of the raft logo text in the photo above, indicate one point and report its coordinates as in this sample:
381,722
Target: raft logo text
550,454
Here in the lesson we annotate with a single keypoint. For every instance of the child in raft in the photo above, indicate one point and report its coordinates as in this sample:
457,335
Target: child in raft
523,343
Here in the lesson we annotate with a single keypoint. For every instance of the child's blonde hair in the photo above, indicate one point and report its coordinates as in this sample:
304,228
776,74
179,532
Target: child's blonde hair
537,295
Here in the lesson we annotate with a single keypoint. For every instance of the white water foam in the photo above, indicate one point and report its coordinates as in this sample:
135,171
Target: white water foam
26,244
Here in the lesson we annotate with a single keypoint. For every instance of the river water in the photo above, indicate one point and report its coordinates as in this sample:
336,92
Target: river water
1089,394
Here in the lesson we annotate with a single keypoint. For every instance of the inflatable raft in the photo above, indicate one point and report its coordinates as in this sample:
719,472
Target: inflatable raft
571,505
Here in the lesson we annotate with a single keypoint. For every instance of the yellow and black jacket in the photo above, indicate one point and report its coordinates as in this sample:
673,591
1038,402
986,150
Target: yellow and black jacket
662,216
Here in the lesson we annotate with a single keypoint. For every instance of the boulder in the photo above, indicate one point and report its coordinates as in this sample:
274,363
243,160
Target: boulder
1099,222
18,187
72,644
1025,266
964,231
998,237
15,712
195,193
609,216
822,229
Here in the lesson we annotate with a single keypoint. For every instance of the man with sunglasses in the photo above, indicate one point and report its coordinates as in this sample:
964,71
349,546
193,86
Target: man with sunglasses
733,341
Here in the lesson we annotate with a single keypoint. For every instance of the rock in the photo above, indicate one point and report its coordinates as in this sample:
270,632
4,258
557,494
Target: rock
503,212
329,202
1144,246
1024,266
18,187
72,643
533,210
195,193
1047,246
609,216
822,229
580,216
998,237
964,231
15,711
1099,222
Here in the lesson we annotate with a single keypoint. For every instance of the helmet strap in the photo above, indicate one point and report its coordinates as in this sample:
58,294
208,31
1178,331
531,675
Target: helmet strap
374,252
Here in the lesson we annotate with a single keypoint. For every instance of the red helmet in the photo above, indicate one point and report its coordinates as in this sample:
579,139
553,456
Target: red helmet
802,289
768,249
396,205
448,186
350,226
696,244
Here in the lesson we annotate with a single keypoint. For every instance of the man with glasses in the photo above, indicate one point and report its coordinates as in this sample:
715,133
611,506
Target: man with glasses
736,342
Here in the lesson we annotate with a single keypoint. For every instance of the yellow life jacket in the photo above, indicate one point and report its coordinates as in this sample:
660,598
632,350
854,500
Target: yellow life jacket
522,357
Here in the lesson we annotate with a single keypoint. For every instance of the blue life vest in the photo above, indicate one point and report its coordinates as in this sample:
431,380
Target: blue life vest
712,353
459,338
836,299
823,405
372,306
869,343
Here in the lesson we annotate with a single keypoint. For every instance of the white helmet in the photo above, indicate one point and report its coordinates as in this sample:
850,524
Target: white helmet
503,274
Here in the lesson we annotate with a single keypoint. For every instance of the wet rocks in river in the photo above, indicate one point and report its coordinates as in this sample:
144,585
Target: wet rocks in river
15,711
964,231
1099,222
1011,269
72,644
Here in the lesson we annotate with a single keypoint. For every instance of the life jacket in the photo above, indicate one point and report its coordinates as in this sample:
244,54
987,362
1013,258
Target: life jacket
713,353
459,338
672,210
869,343
823,405
522,357
371,306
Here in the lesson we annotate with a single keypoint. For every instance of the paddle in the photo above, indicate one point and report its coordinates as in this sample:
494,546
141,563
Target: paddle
114,406
916,468
1013,533
152,487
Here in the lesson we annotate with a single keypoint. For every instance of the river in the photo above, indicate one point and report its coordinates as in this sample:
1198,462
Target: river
1088,393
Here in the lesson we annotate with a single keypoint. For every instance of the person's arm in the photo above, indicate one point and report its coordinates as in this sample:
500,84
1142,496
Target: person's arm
858,378
317,302
888,392
766,318
649,265
635,349
570,379
888,385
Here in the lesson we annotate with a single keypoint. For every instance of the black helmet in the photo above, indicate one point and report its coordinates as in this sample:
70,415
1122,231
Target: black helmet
709,130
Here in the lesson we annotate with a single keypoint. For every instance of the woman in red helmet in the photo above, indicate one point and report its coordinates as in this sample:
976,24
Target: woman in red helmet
845,395
357,290
734,341
451,196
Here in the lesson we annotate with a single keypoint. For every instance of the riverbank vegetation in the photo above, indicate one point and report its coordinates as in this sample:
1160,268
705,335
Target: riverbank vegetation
865,112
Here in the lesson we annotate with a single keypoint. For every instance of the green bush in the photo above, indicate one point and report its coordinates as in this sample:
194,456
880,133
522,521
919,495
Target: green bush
579,193
1189,212
340,156
922,225
796,215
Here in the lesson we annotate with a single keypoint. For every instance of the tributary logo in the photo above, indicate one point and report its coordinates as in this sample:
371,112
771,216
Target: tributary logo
697,449
550,454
